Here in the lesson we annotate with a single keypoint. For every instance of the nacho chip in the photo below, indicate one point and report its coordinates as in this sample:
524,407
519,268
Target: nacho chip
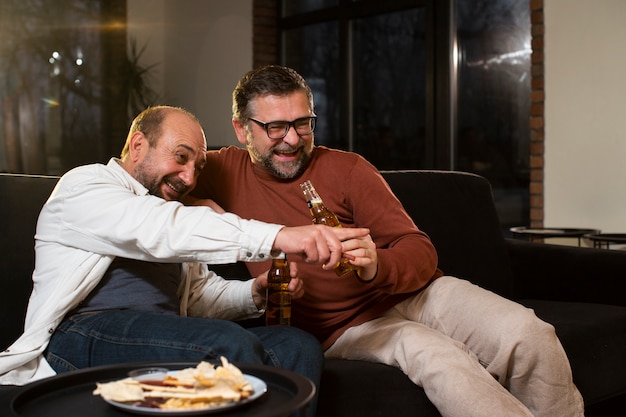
191,388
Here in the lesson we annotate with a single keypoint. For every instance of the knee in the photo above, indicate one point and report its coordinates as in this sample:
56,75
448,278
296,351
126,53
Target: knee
530,330
224,338
294,349
298,339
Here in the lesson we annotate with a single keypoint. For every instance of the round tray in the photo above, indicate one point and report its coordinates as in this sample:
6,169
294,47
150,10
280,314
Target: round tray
71,394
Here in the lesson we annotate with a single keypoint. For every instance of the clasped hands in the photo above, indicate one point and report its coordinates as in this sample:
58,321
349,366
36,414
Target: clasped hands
328,245
321,244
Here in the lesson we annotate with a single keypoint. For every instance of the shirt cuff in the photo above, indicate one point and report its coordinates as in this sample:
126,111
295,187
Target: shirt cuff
259,241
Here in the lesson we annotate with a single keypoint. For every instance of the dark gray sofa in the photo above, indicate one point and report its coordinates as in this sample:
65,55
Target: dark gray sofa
581,291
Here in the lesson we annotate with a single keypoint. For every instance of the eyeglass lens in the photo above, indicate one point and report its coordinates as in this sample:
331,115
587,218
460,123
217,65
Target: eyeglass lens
278,130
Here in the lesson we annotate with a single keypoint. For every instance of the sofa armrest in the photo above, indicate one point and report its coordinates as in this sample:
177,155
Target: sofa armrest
567,273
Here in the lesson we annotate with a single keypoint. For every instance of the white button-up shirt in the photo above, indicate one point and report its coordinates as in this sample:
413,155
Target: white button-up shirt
97,212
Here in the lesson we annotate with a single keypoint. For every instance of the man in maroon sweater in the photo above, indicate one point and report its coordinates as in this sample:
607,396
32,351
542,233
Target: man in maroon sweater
448,335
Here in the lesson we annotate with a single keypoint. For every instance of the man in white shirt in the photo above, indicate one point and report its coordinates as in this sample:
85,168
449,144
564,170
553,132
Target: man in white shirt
109,286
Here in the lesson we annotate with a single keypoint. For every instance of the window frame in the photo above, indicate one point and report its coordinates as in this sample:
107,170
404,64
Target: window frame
440,131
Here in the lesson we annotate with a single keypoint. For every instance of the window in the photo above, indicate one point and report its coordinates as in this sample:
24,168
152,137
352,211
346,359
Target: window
493,122
65,82
368,76
421,85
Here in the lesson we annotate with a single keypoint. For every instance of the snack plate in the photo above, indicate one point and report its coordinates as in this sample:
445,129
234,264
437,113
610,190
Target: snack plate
70,394
258,385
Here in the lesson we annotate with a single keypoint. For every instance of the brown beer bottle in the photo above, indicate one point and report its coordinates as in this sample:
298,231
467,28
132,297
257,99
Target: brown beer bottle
278,310
322,215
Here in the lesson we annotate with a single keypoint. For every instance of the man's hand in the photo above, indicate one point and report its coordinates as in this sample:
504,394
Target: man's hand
296,287
362,252
317,243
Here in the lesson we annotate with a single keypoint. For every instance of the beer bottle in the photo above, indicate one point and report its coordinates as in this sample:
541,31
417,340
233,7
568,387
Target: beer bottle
278,310
322,215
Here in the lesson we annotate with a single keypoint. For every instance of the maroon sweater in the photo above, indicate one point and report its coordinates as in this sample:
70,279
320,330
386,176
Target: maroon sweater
354,190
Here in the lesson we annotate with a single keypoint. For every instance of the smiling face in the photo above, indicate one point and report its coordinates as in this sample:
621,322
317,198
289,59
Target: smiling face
286,157
170,167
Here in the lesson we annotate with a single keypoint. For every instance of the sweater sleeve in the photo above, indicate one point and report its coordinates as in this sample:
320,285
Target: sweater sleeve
211,296
407,259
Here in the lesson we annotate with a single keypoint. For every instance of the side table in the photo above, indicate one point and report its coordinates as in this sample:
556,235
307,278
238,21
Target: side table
601,239
534,233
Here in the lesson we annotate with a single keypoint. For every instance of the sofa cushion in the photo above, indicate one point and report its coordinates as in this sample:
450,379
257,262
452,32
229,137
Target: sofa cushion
22,199
358,388
594,337
458,213
567,273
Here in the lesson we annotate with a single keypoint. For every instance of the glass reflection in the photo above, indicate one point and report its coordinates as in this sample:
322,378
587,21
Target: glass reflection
494,100
65,83
291,7
390,89
314,51
49,86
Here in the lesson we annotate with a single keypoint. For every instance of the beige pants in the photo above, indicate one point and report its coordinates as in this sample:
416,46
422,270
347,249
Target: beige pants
475,353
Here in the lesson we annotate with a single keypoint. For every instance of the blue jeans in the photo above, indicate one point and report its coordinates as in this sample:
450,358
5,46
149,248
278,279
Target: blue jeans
118,336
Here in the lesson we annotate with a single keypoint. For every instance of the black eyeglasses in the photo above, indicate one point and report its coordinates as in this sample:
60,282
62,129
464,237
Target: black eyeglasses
279,129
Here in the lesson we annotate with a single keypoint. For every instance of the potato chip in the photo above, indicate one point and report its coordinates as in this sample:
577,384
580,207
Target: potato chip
191,388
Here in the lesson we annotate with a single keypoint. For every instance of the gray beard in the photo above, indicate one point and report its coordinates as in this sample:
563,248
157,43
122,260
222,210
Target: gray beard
284,171
293,169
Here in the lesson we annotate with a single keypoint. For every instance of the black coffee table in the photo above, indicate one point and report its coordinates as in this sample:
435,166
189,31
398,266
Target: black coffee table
70,394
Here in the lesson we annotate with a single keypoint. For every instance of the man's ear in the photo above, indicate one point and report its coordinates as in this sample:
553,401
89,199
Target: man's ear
138,146
240,131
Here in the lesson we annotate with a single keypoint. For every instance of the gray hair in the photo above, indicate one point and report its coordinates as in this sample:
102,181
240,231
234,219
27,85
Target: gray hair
267,80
